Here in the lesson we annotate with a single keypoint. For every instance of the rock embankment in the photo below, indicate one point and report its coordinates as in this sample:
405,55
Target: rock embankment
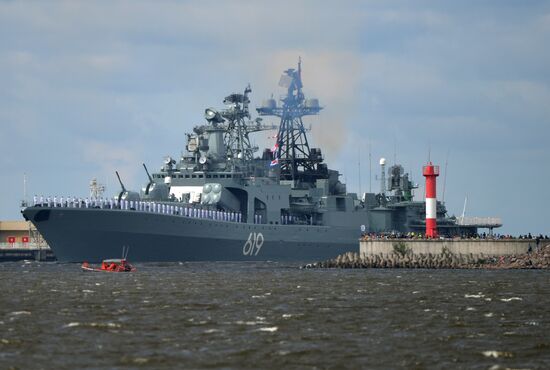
539,259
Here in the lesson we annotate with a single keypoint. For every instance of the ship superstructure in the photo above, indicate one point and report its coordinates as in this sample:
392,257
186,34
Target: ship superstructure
221,201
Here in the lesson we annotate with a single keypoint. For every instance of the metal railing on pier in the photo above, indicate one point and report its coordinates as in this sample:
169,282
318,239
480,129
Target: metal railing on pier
479,221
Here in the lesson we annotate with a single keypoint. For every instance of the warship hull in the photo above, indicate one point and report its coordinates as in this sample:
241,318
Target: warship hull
77,235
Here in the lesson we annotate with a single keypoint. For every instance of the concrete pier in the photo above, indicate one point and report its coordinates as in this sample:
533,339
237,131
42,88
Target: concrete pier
487,247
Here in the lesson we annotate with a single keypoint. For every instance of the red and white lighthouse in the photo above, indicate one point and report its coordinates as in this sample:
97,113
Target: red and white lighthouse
430,172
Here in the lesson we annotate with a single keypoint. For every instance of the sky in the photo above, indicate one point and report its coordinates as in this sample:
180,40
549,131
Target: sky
88,88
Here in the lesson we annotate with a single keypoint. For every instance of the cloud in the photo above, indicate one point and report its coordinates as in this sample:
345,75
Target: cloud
91,87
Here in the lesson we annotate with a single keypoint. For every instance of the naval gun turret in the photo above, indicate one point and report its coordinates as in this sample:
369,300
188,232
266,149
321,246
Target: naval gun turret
154,190
125,194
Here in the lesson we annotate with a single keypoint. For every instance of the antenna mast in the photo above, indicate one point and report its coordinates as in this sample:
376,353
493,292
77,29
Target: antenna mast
359,165
464,209
293,154
370,167
24,201
445,177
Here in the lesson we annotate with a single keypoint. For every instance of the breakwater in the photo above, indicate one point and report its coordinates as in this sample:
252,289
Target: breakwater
487,247
29,251
537,259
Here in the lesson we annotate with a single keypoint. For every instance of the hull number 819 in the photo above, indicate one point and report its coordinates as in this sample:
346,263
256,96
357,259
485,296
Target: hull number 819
253,244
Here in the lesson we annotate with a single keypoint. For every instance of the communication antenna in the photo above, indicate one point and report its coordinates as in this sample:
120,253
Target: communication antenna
445,177
370,167
24,201
394,149
464,209
383,176
359,165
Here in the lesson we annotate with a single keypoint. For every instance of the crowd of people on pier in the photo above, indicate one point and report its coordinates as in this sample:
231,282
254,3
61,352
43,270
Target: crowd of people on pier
475,236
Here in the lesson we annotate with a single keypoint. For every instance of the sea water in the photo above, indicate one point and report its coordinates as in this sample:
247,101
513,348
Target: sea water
271,315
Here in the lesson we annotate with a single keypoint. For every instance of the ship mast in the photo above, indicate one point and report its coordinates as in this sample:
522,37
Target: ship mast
292,152
238,128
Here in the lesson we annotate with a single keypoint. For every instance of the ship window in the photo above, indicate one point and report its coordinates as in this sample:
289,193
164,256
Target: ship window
180,176
222,176
194,176
200,176
215,176
186,176
228,176
163,176
208,176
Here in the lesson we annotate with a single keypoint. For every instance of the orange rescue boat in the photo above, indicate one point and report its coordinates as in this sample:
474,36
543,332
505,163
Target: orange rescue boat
110,265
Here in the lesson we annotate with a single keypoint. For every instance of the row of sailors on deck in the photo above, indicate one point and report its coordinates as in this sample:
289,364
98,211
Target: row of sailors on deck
111,203
139,206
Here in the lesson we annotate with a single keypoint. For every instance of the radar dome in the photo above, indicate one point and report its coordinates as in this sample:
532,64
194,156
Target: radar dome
382,161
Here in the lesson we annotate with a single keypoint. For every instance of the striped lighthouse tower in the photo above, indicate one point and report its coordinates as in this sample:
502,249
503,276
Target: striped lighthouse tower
430,172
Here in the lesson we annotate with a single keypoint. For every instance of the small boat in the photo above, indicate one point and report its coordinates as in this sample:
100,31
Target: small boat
112,265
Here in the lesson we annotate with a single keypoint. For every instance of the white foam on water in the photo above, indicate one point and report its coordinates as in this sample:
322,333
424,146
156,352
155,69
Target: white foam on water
249,323
286,315
511,299
18,313
71,325
470,309
310,299
416,292
210,331
478,295
489,314
496,354
104,325
270,330
87,291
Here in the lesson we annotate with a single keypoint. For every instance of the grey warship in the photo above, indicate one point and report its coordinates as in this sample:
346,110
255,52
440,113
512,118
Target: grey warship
221,202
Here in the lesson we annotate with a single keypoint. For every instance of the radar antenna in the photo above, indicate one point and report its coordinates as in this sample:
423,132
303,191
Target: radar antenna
292,152
238,128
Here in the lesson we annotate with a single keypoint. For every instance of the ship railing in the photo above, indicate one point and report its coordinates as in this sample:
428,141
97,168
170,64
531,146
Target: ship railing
140,206
21,245
479,221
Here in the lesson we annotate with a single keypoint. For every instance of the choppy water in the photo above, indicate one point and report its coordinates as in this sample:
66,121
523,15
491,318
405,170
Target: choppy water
267,315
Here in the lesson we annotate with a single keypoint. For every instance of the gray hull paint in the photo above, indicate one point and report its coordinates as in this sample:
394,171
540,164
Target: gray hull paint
77,235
